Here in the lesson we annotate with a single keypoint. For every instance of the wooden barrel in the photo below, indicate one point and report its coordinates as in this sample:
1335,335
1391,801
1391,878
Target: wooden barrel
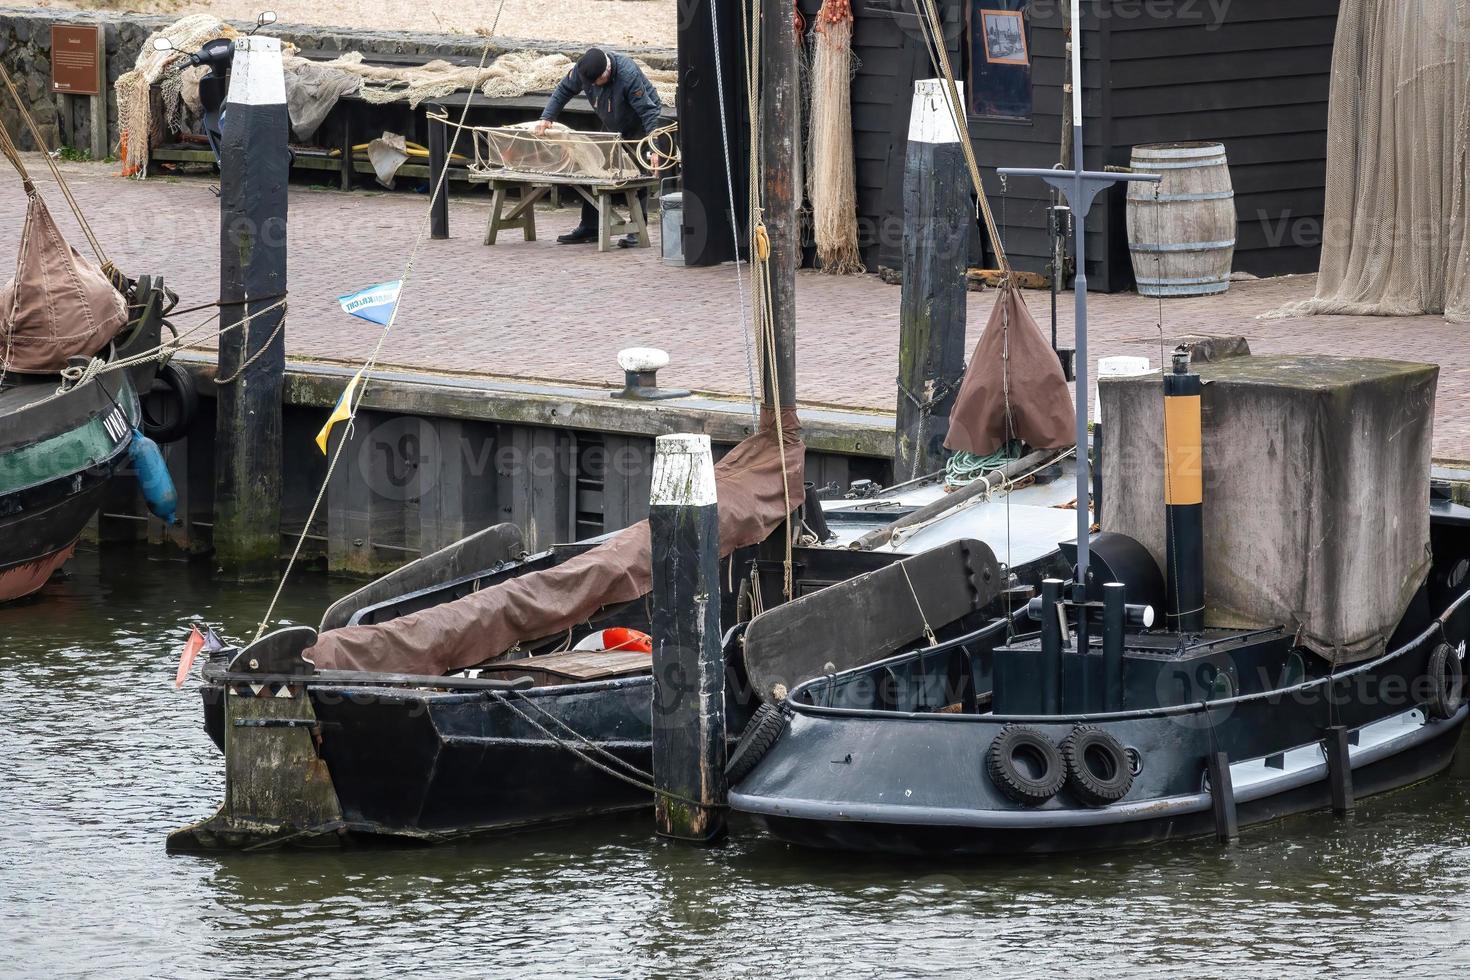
1181,232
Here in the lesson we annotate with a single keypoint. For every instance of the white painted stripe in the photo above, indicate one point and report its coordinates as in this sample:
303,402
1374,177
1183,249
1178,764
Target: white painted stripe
257,78
683,472
932,120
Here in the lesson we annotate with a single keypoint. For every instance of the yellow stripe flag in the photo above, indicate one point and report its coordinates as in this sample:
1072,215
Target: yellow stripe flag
341,413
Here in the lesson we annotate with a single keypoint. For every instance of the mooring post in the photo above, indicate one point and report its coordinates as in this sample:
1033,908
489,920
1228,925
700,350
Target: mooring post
438,157
781,94
688,664
1222,797
1339,769
252,347
931,320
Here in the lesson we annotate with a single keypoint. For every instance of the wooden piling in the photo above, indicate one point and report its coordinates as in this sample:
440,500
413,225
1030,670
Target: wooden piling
438,157
931,339
688,664
781,94
253,190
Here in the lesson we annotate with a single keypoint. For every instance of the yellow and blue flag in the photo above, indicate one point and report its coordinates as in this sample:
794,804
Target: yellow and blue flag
340,413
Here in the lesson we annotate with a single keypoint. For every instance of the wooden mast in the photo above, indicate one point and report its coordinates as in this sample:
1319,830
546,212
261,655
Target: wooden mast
780,91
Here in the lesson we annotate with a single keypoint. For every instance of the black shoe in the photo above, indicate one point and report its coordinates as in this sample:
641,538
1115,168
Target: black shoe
578,236
629,241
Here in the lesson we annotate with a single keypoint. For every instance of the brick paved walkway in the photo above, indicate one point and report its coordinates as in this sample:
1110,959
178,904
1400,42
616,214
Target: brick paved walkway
547,312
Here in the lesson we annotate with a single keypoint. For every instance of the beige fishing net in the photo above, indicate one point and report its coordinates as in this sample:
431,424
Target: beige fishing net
313,87
1396,237
561,152
833,174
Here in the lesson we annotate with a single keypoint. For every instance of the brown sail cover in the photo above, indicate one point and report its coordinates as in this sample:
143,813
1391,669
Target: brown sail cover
59,305
1013,364
482,626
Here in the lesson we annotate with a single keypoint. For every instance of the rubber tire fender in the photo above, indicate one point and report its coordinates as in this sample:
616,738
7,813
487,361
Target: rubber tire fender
1007,775
1086,745
175,383
762,732
1446,682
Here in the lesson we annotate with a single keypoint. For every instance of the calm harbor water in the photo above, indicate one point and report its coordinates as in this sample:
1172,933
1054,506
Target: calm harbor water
99,759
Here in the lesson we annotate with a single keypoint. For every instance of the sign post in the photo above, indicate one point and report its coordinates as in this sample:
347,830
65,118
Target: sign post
79,68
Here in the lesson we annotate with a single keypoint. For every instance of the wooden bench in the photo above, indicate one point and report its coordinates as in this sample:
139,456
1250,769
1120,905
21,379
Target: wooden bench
606,196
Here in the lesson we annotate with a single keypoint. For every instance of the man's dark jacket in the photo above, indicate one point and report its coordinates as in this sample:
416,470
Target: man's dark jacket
627,105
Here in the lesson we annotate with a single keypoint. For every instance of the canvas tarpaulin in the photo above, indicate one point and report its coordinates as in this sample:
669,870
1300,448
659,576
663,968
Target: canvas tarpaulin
1396,225
59,305
1316,489
752,503
1013,388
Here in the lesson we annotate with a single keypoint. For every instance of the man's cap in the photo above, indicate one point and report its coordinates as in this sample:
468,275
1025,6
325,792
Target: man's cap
592,64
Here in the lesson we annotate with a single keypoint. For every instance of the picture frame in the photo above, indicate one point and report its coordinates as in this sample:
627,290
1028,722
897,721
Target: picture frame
1005,37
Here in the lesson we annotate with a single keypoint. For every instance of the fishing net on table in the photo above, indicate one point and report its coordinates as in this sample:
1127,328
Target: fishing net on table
561,152
1396,225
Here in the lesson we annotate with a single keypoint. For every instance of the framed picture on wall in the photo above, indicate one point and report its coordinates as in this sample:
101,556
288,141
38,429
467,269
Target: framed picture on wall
1005,37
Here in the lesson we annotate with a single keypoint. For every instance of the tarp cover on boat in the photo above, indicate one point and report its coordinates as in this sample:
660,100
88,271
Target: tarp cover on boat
59,305
1316,490
1013,368
1396,223
469,631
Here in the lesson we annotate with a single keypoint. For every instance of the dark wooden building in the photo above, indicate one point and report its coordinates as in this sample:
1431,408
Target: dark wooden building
1251,74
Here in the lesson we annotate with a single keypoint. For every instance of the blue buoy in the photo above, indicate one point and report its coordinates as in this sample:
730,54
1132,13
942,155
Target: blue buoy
153,478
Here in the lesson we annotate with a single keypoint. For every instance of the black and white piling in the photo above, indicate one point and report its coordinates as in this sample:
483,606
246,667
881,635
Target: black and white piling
255,164
931,345
688,665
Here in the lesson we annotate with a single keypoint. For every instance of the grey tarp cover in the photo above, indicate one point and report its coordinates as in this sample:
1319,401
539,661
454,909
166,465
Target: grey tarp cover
1316,489
312,89
1013,369
1396,224
59,305
752,503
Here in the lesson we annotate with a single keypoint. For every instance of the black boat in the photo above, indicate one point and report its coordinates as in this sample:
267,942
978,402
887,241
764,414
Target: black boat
951,749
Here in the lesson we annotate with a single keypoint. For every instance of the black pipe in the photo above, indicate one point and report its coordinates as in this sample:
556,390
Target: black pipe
1184,497
1114,594
1051,646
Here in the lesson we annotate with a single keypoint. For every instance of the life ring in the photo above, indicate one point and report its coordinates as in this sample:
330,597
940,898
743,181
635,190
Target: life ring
1446,682
1024,765
1099,769
175,385
765,728
616,638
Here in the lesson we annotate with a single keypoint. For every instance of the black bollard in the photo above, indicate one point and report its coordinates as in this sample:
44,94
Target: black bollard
252,358
1051,645
931,319
1113,616
438,157
688,664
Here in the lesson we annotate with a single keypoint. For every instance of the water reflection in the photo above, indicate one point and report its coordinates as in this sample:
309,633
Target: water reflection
99,759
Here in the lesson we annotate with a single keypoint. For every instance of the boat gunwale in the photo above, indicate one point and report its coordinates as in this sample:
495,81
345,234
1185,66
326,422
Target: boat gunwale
1075,817
1140,714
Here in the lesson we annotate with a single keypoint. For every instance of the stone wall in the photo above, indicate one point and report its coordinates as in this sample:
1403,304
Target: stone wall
25,51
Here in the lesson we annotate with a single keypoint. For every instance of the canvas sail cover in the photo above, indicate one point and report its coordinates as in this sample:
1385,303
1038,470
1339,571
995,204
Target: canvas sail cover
1396,226
1013,388
59,305
1316,482
752,503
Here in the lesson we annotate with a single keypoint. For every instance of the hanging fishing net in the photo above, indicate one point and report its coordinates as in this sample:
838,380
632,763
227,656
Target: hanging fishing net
59,305
1396,234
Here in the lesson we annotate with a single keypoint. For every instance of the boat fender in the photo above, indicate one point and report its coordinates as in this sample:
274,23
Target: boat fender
153,478
762,732
1099,770
1025,765
173,386
616,638
1446,682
